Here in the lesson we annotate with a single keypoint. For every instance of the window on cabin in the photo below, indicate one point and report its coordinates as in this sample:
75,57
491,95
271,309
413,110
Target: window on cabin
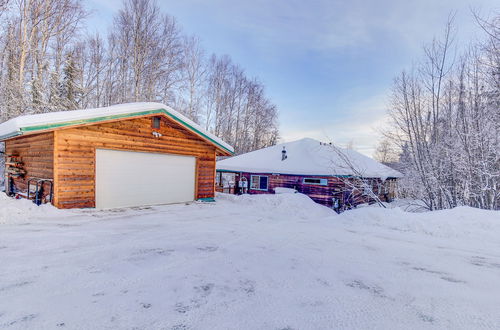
258,182
155,122
315,181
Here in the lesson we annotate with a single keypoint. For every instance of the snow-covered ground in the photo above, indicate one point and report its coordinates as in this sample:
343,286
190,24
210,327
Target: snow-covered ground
250,262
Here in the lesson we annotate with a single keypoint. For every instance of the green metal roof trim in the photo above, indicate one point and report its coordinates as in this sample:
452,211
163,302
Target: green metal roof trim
112,117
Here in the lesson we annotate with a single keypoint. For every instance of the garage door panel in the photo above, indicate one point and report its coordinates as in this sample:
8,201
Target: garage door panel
127,178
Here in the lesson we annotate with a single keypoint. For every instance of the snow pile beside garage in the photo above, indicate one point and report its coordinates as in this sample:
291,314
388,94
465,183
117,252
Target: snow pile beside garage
280,206
22,210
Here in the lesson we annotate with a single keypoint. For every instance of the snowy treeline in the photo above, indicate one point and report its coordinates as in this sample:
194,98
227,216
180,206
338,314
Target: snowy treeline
48,63
445,116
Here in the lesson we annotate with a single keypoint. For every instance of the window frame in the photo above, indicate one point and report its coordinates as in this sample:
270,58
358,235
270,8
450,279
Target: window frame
259,176
322,181
155,120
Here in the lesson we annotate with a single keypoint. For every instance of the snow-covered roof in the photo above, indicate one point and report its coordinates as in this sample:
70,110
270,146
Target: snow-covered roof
46,121
307,157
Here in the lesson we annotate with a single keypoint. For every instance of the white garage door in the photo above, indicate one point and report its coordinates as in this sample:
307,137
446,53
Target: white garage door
127,178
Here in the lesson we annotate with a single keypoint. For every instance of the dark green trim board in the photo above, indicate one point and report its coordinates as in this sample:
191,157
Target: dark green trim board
228,171
86,121
112,117
207,200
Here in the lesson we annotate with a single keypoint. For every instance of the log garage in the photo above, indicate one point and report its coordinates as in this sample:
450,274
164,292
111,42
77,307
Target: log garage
120,156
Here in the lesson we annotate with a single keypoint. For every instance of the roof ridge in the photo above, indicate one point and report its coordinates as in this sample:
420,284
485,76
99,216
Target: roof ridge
306,156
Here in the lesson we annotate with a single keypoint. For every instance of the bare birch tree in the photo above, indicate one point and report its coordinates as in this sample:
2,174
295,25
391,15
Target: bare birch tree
445,116
47,64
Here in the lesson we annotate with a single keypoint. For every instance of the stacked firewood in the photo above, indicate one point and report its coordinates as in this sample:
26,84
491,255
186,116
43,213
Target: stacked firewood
14,166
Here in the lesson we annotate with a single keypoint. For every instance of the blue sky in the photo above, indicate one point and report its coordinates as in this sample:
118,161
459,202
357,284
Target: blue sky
328,65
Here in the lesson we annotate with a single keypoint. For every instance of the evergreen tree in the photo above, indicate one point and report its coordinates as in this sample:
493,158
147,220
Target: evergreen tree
68,90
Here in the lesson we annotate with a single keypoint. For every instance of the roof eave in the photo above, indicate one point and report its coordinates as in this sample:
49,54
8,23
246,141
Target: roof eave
302,174
10,135
224,152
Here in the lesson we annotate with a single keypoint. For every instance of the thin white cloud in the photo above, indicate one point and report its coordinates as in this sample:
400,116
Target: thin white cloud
325,25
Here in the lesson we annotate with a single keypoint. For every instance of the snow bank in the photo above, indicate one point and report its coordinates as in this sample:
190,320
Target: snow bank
280,190
410,205
248,262
22,210
459,222
280,205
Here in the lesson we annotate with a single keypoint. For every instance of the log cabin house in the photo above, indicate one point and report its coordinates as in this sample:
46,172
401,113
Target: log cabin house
335,177
120,156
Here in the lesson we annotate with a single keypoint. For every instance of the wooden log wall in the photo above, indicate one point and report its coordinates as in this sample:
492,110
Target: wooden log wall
75,155
37,155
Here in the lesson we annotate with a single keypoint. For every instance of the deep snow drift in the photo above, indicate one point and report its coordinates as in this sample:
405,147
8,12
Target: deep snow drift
249,262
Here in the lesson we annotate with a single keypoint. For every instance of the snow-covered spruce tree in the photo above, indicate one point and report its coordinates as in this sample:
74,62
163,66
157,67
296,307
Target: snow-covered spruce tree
68,90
